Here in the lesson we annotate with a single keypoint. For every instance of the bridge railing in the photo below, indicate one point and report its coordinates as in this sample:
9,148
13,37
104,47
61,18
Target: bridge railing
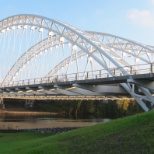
132,70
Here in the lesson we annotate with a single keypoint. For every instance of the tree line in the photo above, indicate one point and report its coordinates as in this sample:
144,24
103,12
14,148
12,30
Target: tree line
82,108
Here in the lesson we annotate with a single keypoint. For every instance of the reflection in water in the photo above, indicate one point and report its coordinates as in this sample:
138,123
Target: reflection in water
31,122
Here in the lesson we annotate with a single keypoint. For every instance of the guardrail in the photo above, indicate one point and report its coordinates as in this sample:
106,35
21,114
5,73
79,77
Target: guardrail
131,70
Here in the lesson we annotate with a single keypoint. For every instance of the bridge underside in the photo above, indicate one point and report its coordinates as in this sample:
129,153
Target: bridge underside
67,98
70,90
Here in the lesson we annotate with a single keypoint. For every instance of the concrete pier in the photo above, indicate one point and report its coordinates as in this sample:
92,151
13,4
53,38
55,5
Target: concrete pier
2,105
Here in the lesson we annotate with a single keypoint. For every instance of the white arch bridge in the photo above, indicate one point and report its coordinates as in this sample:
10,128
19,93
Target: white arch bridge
42,58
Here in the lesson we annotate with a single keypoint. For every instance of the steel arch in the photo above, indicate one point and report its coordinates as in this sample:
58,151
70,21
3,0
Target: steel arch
35,50
81,38
47,44
96,34
125,45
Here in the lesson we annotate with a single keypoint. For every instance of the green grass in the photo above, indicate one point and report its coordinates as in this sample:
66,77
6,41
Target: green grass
134,134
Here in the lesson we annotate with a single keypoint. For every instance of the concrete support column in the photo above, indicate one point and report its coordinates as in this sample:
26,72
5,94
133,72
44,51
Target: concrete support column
29,103
152,68
2,105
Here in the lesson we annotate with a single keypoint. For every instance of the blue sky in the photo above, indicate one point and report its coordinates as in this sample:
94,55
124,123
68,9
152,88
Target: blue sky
132,19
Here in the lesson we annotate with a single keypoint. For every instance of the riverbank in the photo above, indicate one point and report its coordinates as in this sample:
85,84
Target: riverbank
15,120
131,135
27,113
39,130
57,123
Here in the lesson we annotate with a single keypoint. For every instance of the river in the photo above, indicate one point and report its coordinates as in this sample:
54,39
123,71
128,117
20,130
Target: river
45,121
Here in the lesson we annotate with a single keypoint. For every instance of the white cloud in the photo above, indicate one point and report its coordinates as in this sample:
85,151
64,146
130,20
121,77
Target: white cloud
151,1
142,17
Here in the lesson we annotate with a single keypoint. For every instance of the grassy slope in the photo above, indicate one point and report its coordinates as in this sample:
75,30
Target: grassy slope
133,134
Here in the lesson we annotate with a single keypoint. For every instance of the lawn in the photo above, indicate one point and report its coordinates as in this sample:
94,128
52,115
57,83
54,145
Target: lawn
134,134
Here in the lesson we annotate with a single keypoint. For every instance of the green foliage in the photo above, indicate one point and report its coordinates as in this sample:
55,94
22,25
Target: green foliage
106,109
82,108
132,135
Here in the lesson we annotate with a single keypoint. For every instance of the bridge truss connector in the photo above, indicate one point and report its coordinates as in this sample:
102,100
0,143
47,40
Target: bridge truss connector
142,95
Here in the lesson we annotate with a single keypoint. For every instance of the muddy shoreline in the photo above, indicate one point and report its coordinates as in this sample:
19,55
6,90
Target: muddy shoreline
26,113
18,121
40,130
11,128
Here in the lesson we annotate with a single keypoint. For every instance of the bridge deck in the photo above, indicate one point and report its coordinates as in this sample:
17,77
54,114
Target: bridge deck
97,81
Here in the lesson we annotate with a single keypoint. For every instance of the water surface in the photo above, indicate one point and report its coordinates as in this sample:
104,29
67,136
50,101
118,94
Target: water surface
31,122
